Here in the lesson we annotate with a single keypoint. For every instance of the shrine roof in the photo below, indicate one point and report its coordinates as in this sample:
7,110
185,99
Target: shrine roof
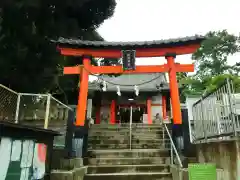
145,82
78,43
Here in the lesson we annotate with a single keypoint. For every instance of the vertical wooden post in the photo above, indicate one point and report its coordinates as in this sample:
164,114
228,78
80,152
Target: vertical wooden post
113,112
164,107
174,92
83,93
149,110
98,114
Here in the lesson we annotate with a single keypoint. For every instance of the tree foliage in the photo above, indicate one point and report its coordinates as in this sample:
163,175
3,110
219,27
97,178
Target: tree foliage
28,62
212,56
212,64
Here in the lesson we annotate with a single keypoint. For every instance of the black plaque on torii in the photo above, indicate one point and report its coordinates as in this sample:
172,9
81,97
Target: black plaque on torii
129,59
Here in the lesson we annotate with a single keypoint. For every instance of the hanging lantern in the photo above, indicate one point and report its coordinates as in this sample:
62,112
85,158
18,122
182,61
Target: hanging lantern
103,86
136,90
118,91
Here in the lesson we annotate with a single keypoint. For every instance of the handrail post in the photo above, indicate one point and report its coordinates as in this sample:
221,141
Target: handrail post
230,93
46,119
203,124
163,139
173,146
17,108
130,130
172,155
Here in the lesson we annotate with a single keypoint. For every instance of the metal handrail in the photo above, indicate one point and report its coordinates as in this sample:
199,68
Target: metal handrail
173,146
10,90
64,105
130,130
215,116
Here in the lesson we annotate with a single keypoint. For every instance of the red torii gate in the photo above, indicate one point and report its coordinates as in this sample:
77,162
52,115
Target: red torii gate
168,48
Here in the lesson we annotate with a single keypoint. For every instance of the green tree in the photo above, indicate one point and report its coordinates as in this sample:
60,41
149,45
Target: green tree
212,64
28,62
217,81
212,56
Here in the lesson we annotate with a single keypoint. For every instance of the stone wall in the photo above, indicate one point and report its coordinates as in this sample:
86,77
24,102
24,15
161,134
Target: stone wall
179,173
157,106
57,155
224,154
70,169
75,174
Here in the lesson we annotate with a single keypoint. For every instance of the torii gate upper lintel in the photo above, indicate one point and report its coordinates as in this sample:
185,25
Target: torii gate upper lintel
167,48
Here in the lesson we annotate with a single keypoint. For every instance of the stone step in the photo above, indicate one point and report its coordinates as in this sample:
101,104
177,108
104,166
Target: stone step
122,137
124,129
148,135
146,138
68,174
106,138
127,146
142,129
126,125
69,164
130,176
128,153
135,135
126,141
128,168
111,133
142,135
127,161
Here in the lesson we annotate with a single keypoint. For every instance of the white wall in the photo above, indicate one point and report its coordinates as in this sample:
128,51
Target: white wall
89,108
105,112
189,103
157,99
157,109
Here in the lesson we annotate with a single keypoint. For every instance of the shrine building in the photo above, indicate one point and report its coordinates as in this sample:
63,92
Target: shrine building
139,104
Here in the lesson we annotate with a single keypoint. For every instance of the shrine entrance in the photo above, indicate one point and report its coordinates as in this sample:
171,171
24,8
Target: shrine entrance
128,51
124,113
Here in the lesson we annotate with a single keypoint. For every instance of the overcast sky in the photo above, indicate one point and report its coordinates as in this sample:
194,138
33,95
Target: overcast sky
140,20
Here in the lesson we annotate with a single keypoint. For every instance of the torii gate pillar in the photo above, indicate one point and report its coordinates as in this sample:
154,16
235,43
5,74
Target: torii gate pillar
83,93
174,92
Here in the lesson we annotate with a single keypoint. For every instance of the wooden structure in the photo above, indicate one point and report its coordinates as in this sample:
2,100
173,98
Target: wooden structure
31,148
167,48
109,107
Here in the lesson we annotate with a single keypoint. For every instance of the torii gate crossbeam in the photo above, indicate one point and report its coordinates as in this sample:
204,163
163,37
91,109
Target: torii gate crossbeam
168,48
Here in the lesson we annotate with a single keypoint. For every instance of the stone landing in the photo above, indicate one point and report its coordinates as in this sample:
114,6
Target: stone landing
70,169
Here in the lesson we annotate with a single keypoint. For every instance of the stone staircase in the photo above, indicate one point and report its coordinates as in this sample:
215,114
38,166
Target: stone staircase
112,156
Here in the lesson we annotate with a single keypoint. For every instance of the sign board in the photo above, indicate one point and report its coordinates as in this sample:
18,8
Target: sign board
128,58
202,172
